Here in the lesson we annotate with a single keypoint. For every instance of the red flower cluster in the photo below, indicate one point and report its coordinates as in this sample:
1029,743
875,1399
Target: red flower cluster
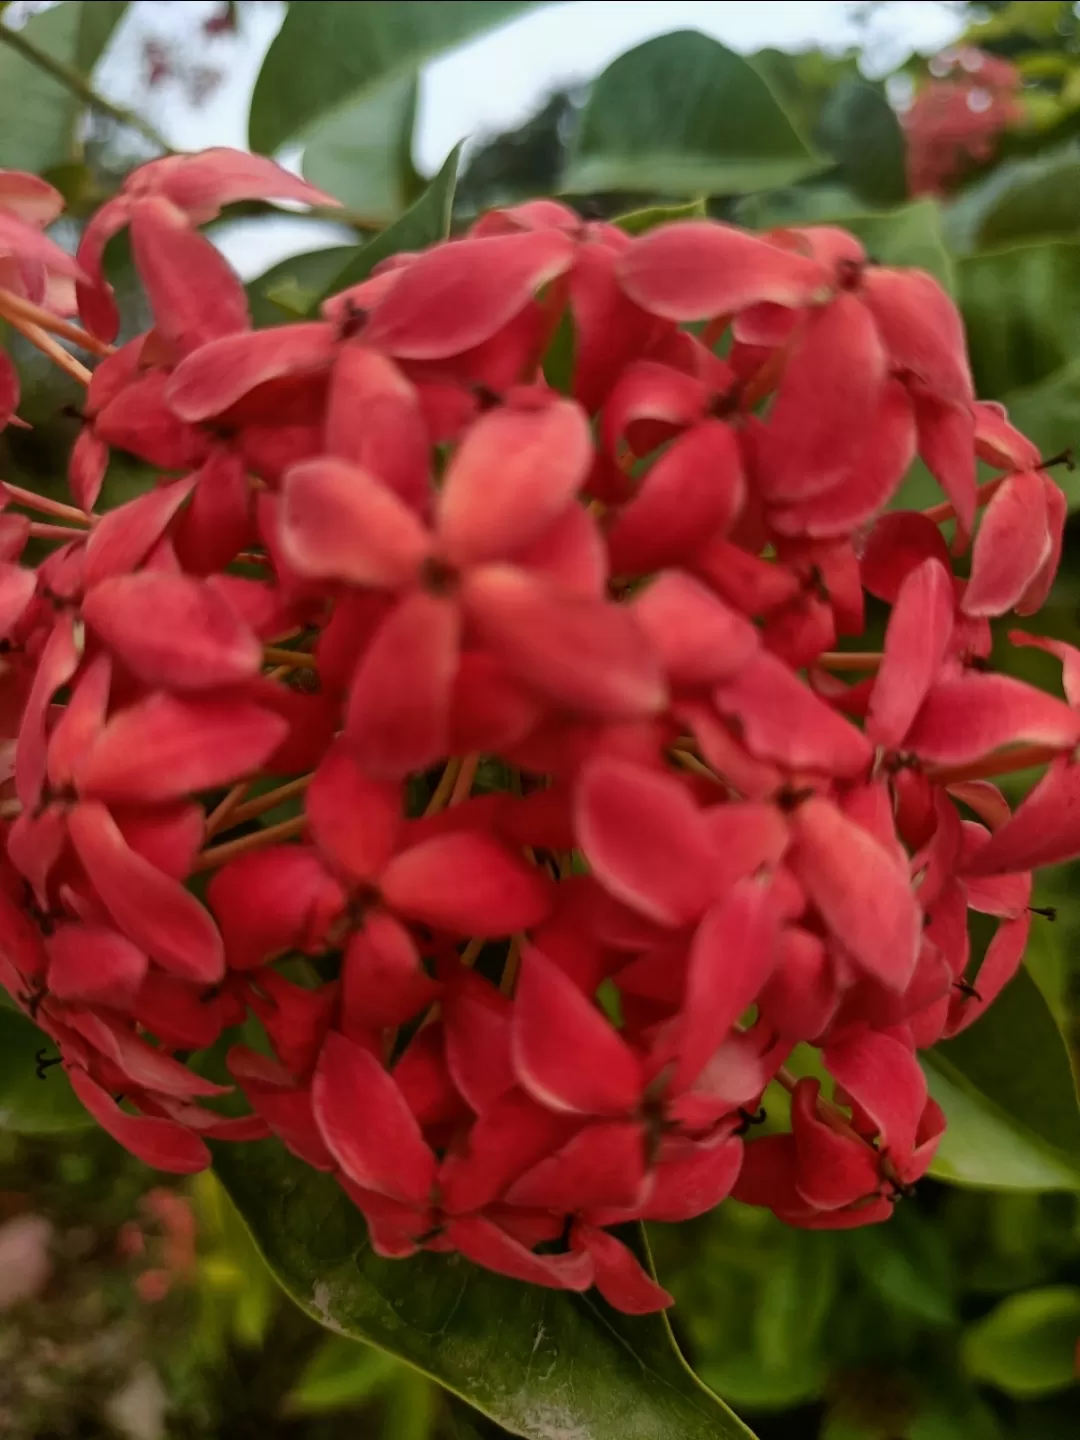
957,116
575,521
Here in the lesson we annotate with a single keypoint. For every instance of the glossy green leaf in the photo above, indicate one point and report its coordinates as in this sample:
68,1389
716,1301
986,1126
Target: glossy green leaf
637,222
1030,200
682,115
39,115
539,1363
1026,1346
909,236
328,55
29,1105
425,222
1021,307
363,155
293,287
859,129
1009,1095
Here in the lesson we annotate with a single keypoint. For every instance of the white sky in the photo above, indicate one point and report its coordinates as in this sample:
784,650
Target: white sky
501,78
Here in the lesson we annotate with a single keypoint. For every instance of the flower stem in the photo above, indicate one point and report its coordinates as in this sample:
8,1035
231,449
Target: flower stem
983,495
56,532
220,854
12,306
444,789
464,782
78,85
44,505
261,803
294,659
841,660
223,811
1026,757
43,341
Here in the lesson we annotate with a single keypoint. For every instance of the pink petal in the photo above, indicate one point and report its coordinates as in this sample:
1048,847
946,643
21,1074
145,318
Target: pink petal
618,1274
832,1170
508,1138
339,522
97,307
698,268
202,183
863,895
885,1080
898,543
485,1243
27,243
220,521
731,958
966,718
169,836
916,640
355,821
92,964
583,654
172,630
570,552
137,418
285,1106
375,422
602,1165
650,403
1011,546
17,587
693,1177
1045,829
124,537
921,330
398,709
87,464
223,371
513,474
164,747
476,1017
454,297
382,980
30,198
273,900
467,883
947,448
693,491
57,663
1037,590
367,1125
160,1143
565,1051
194,293
1000,964
785,722
999,443
1068,654
823,414
146,1067
153,910
698,638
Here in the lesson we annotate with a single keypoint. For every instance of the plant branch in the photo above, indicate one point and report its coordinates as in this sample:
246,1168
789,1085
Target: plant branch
78,84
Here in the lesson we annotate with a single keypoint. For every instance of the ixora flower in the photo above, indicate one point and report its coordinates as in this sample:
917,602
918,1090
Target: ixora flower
477,784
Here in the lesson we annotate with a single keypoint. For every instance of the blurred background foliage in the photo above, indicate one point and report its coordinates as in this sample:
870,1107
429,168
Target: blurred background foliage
132,1307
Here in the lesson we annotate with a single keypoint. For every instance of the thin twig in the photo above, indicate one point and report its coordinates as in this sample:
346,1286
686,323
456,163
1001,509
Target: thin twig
12,305
841,660
43,341
464,782
78,85
219,854
44,505
55,532
444,789
215,821
1027,757
259,804
294,659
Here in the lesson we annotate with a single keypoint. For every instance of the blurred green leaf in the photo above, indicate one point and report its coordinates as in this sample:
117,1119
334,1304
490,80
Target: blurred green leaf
1009,1095
911,235
293,287
908,1263
1027,1345
39,115
29,1105
1021,307
1034,199
426,221
328,55
342,1373
682,115
538,1362
637,222
1049,414
859,129
363,155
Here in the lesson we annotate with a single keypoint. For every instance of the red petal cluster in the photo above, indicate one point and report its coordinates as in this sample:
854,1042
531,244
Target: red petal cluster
957,116
576,521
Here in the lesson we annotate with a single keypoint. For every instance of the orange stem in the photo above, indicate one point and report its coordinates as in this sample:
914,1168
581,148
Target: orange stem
215,821
444,789
44,505
219,854
294,659
44,342
12,305
983,495
841,660
261,803
1026,757
56,532
464,782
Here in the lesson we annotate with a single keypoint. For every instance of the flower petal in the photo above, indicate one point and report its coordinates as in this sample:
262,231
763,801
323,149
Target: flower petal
95,965
618,1274
355,821
1011,546
921,329
273,900
467,883
967,718
160,1143
223,371
194,293
916,640
698,638
487,1244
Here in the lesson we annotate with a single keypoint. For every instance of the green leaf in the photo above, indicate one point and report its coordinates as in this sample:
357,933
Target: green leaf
538,1362
637,222
425,222
363,155
1021,307
911,235
859,129
28,1105
39,115
328,55
682,115
293,287
908,1263
341,1373
1034,199
1009,1096
1049,414
1026,1346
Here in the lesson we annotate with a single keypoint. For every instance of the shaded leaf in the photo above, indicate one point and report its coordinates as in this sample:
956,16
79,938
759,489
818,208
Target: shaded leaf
637,222
1026,1346
683,115
28,1105
293,287
363,155
859,129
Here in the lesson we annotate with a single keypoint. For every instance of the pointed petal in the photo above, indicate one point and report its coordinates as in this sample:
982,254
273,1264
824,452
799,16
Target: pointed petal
382,980
194,293
137,418
883,1077
467,883
831,1170
57,663
398,709
645,840
862,894
602,1166
81,721
285,1106
339,522
921,330
355,821
125,536
273,900
367,1126
508,1138
1045,829
94,965
202,183
618,1274
17,587
565,1051
899,541
164,748
916,640
698,638
160,1143
476,1017
513,474
375,422
698,268
947,449
693,1177
1038,588
147,1068
1002,960
966,718
223,371
583,654
173,631
1012,543
486,1244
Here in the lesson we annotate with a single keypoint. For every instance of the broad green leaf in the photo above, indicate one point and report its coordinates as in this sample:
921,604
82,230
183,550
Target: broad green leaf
909,236
859,129
328,55
907,1262
341,1373
1021,307
1026,1346
426,221
38,114
1049,414
1009,1096
1037,199
539,1363
293,287
363,155
29,1105
682,115
637,222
